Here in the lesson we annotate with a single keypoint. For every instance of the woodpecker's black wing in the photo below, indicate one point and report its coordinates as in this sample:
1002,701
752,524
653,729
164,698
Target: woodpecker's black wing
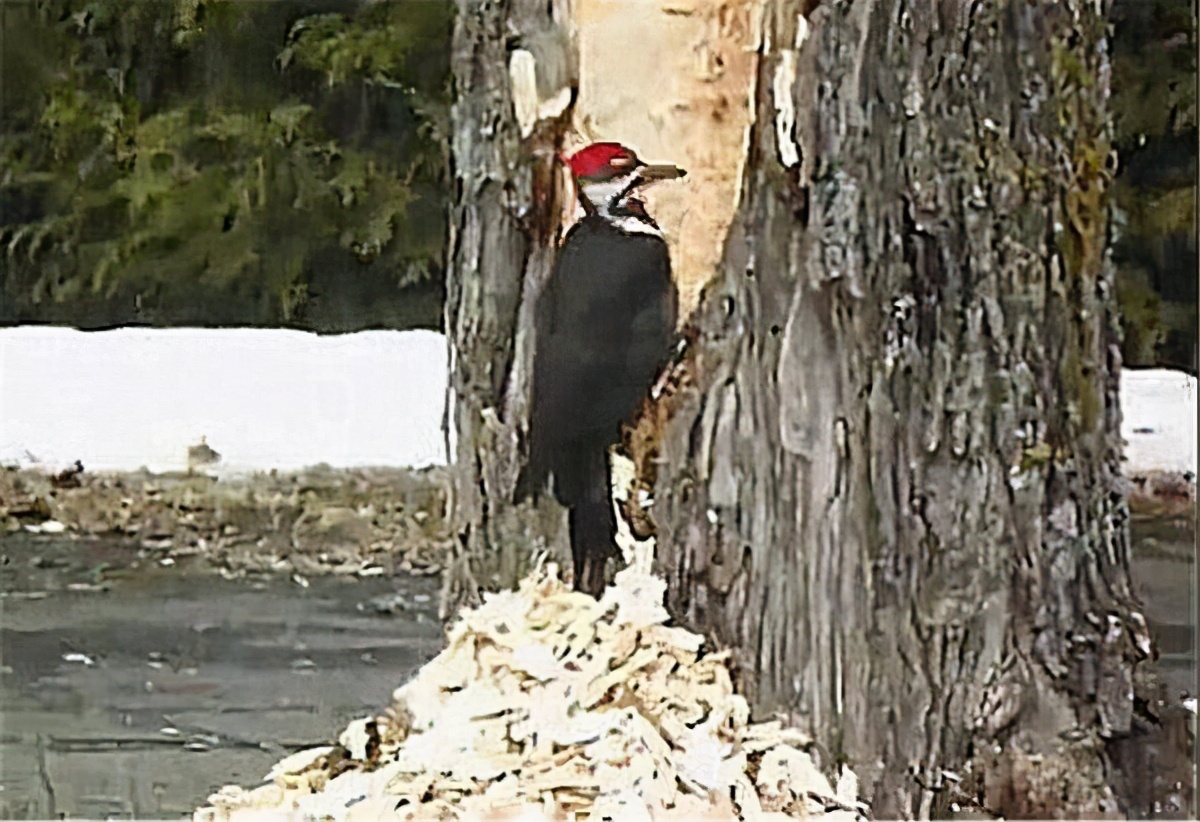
544,399
604,325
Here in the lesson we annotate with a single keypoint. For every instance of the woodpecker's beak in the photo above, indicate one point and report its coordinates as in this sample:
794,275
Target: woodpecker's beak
653,174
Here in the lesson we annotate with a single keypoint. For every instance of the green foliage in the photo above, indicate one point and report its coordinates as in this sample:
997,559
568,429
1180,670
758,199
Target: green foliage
1154,105
165,158
1141,316
343,50
1154,67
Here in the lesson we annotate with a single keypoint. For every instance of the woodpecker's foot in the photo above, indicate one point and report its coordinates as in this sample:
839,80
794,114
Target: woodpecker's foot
589,575
635,509
641,524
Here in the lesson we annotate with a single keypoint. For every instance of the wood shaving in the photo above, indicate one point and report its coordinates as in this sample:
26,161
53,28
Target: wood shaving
548,704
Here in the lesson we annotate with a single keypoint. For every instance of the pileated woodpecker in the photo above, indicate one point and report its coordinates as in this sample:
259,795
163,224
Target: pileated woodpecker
604,325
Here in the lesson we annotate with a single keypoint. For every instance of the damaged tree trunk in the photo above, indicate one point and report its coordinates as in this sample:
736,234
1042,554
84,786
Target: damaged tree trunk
894,487
515,74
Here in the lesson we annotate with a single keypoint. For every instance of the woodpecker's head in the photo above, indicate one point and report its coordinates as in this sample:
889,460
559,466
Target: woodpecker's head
607,174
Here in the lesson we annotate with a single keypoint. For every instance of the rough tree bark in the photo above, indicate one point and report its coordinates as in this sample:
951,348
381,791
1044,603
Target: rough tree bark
893,488
503,228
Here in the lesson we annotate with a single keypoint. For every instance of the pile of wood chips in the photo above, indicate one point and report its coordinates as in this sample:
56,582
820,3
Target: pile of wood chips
549,704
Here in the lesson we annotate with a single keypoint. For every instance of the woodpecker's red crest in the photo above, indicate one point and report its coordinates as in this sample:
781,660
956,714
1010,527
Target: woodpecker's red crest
602,161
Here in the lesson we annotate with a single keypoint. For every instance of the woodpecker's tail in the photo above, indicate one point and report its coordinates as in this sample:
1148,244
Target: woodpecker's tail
593,525
535,473
531,482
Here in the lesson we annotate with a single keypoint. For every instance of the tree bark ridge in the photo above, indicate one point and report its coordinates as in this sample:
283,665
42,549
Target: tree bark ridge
506,217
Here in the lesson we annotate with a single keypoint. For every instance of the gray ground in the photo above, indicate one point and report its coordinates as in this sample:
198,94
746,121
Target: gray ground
1164,575
190,681
196,681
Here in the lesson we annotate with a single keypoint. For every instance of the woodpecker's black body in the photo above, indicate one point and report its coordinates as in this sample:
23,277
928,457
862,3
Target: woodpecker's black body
604,325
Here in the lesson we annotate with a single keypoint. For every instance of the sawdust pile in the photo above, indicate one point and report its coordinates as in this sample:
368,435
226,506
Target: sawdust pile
549,704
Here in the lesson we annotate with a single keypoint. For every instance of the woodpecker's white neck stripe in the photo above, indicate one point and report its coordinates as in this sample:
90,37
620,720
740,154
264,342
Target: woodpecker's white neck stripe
604,196
635,225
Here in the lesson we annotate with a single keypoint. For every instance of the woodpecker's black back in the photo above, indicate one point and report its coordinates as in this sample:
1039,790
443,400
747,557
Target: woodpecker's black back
604,325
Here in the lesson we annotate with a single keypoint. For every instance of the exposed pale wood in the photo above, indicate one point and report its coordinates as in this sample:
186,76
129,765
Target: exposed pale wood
673,81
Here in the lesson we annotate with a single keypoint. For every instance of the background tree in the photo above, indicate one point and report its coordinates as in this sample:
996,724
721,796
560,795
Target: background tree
1154,106
215,162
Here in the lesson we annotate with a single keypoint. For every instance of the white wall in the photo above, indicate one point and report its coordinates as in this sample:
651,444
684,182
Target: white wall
119,400
1158,423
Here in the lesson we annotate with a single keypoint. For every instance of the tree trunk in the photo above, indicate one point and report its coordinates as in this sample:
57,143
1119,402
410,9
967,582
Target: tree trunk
894,487
504,222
